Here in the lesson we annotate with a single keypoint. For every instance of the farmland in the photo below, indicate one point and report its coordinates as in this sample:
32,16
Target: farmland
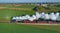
22,28
9,10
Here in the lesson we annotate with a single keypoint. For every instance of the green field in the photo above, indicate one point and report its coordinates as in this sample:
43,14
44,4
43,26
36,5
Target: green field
22,28
9,10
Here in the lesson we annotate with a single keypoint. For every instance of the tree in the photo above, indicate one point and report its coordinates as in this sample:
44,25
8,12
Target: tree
35,8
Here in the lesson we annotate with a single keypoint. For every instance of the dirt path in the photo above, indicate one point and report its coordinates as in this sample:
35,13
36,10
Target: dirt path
37,24
14,8
19,9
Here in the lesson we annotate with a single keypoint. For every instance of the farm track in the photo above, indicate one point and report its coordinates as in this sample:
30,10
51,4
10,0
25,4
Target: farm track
39,23
19,9
2,8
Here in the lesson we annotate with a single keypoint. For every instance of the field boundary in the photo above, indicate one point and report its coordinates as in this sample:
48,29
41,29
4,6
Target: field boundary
38,23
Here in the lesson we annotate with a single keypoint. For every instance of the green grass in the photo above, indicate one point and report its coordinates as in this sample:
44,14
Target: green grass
23,9
20,28
51,8
11,13
8,12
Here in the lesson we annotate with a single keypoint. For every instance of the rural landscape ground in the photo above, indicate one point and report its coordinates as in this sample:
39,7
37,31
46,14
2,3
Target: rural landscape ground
26,28
9,10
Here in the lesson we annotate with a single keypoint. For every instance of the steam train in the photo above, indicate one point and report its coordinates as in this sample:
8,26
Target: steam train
38,17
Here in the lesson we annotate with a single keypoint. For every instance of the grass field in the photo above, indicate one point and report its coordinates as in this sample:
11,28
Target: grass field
8,11
22,28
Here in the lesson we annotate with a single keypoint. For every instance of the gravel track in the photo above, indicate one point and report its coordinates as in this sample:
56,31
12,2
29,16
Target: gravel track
39,23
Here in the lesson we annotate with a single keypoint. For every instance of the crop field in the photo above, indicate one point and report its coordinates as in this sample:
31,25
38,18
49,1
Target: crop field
24,28
8,11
